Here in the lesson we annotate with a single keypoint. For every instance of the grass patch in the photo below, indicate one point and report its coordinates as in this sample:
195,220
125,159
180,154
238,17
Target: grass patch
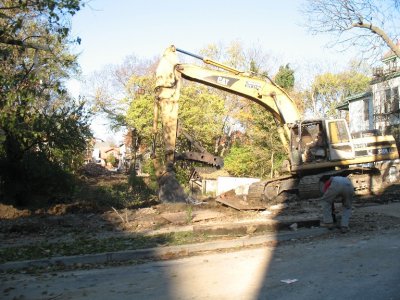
91,246
117,191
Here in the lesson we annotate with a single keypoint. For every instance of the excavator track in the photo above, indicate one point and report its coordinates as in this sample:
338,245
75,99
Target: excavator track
364,182
268,190
309,187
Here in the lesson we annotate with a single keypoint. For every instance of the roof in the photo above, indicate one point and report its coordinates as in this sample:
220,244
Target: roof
111,149
390,54
356,97
343,105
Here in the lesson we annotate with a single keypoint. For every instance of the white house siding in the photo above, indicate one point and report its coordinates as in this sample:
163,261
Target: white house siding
384,116
96,153
209,186
357,118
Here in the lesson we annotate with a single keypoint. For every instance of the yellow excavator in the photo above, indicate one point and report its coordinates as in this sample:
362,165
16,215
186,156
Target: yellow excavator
316,148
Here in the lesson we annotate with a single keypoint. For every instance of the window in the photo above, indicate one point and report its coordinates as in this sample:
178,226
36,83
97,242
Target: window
338,132
366,109
395,99
388,98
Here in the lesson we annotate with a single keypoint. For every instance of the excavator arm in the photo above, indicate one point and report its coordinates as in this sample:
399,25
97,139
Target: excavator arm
263,92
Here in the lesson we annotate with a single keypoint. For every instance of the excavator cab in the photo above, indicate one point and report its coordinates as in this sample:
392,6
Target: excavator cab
316,141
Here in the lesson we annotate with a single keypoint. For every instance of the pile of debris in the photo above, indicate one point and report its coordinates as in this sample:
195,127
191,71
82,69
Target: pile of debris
94,170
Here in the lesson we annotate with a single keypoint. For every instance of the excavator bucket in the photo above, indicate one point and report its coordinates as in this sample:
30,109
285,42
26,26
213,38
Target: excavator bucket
167,95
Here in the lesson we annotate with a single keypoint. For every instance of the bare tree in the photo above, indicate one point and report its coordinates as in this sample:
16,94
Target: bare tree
108,89
372,25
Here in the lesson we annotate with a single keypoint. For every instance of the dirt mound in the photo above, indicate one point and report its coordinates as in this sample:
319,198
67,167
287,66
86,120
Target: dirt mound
94,170
10,212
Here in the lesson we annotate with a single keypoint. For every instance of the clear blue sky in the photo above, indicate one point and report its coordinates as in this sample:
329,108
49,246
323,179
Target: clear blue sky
112,29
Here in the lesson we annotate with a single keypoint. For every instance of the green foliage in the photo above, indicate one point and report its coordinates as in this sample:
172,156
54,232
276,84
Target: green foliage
240,161
140,189
285,77
45,130
36,177
111,159
251,155
252,161
51,15
140,111
117,192
328,90
201,114
148,168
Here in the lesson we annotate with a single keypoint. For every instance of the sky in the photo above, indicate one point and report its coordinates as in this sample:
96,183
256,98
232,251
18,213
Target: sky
110,30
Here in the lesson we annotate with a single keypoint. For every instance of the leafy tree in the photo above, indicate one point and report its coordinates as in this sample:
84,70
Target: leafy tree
32,24
44,128
201,113
285,77
370,24
112,88
124,95
329,89
111,159
251,154
139,115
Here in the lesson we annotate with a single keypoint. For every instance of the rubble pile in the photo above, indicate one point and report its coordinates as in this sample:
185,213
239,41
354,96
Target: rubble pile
94,170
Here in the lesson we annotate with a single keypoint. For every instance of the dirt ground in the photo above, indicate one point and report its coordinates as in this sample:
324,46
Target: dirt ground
69,221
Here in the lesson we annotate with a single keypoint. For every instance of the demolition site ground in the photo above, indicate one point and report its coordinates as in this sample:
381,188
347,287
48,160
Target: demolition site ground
75,228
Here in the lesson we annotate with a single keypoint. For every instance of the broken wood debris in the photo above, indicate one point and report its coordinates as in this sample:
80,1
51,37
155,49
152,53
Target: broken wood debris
238,202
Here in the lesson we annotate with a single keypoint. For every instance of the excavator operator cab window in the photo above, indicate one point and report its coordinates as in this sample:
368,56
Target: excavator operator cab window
338,132
340,143
310,143
313,142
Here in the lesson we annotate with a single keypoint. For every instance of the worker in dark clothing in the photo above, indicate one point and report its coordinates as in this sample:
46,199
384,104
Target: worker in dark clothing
335,187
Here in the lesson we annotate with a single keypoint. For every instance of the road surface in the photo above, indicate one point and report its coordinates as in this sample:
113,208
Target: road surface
352,266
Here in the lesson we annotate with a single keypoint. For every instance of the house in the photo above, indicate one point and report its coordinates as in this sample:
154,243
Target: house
377,109
102,150
126,155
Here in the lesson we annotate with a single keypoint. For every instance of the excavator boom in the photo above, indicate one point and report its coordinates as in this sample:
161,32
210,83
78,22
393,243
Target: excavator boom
265,92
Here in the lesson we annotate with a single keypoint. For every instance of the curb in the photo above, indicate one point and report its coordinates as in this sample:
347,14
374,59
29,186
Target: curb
161,253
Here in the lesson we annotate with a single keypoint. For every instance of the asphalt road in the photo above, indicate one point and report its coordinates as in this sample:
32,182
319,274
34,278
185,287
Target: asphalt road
340,267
